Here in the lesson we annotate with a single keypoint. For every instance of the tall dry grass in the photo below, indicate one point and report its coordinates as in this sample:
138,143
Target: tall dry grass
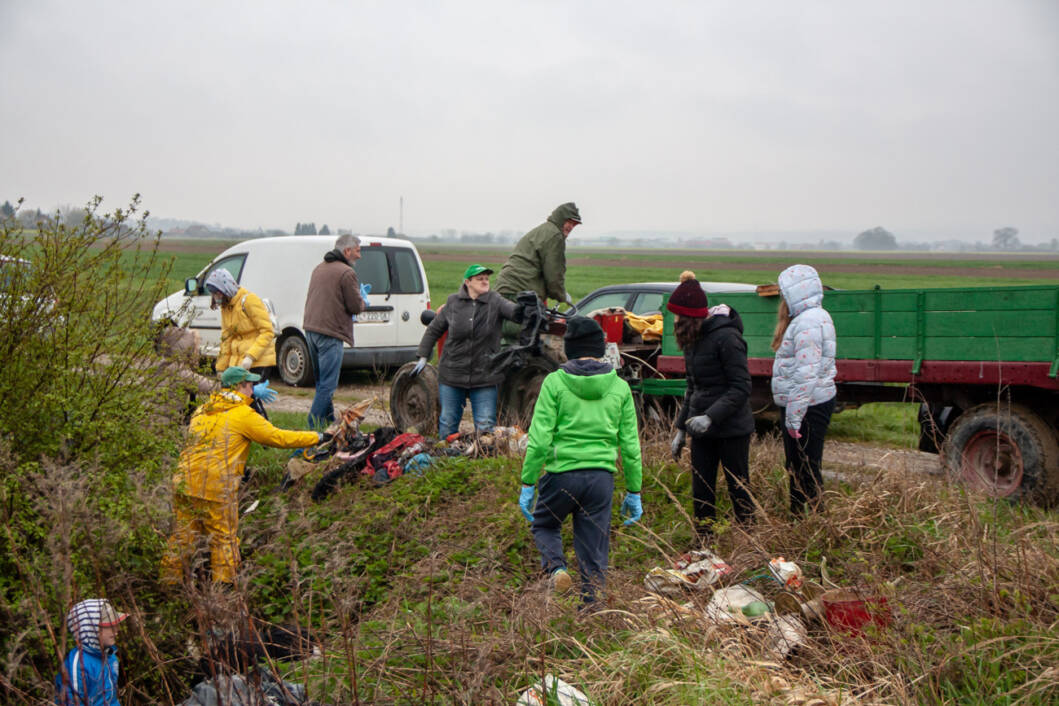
427,592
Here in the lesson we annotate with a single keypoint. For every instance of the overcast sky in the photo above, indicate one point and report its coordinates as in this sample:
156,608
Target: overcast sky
697,116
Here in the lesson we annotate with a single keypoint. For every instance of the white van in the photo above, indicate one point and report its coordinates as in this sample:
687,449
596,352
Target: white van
278,270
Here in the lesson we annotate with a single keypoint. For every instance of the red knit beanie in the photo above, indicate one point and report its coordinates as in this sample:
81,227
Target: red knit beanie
688,299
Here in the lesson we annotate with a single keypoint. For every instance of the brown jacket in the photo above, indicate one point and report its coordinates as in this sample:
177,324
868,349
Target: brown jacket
333,298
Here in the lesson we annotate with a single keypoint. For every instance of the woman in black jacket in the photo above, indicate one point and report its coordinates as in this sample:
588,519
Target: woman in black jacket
472,318
716,409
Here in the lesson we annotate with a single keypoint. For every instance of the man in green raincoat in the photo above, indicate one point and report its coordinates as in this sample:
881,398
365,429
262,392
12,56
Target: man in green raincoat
539,260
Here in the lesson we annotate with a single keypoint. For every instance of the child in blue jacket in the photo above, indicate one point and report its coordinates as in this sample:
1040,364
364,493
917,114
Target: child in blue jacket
89,676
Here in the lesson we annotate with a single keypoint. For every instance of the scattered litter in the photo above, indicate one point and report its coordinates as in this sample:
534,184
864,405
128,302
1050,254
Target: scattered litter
237,690
251,507
418,464
850,612
785,632
501,441
786,572
696,564
733,604
554,692
697,570
345,439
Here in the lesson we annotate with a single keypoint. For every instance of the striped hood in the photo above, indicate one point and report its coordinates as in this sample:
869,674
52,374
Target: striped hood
85,618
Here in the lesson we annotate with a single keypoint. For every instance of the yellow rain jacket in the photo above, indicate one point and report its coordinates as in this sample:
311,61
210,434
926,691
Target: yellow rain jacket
211,465
246,330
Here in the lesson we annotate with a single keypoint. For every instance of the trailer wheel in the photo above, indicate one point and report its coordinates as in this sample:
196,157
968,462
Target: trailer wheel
292,361
414,400
518,392
1004,452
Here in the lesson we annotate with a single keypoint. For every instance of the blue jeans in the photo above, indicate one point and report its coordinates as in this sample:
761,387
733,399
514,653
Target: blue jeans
587,495
453,399
326,355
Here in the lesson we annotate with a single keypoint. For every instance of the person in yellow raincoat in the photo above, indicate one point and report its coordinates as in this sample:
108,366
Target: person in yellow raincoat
247,336
206,482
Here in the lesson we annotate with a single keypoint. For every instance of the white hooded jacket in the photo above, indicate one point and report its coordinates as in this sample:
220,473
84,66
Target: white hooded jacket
803,372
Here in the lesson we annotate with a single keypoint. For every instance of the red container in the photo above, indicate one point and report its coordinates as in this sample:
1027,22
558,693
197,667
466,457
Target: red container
612,325
850,612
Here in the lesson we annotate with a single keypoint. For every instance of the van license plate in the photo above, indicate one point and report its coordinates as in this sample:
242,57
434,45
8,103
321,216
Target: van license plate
373,317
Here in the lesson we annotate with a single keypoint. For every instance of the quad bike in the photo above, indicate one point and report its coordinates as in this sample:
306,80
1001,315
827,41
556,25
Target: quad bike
415,401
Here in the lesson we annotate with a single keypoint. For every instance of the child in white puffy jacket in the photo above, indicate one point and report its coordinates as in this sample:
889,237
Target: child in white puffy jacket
803,380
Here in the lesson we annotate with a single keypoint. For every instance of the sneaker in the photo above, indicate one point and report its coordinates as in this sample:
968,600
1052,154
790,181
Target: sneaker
561,581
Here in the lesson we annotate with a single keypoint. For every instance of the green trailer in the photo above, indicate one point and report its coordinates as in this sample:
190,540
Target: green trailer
982,362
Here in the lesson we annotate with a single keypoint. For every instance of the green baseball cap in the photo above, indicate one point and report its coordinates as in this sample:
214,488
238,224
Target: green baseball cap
234,375
476,270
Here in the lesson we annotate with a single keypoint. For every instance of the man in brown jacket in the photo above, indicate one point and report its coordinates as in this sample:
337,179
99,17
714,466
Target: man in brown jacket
330,304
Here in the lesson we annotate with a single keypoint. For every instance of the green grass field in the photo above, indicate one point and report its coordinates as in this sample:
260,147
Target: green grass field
445,265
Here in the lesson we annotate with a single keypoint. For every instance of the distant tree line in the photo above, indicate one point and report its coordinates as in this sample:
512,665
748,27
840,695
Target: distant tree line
310,229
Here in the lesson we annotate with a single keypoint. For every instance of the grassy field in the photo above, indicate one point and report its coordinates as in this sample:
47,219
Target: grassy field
445,266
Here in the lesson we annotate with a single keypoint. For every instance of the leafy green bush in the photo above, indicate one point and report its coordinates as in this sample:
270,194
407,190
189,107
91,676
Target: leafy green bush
86,434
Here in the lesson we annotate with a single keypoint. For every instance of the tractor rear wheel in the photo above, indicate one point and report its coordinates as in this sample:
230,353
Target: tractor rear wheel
518,392
414,399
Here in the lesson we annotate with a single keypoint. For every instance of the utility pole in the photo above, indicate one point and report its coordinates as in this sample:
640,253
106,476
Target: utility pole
400,219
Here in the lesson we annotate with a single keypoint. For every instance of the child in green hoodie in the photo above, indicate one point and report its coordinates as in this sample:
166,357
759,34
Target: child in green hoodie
583,417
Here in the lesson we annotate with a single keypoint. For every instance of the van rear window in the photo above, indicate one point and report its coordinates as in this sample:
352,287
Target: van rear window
406,268
373,269
390,270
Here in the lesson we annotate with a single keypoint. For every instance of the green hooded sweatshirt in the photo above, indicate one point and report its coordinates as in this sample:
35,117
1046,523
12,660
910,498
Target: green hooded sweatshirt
580,422
539,260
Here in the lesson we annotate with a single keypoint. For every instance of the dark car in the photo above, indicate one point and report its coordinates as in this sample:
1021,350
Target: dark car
646,297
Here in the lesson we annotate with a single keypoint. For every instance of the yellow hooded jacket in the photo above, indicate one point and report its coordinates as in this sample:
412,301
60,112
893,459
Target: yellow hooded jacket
246,330
219,436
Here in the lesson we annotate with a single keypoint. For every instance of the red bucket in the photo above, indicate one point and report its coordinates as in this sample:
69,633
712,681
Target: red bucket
612,325
850,612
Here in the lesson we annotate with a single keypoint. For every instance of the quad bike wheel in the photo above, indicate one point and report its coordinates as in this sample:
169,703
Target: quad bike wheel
518,392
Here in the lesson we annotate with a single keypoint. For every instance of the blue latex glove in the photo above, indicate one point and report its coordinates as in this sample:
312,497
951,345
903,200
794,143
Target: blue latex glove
698,425
264,393
365,289
525,501
420,364
632,508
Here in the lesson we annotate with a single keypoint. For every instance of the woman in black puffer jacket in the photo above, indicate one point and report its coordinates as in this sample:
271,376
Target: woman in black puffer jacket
472,319
716,409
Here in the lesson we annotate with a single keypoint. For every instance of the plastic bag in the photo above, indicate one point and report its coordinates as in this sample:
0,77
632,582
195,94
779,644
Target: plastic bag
554,691
727,604
787,572
697,571
698,564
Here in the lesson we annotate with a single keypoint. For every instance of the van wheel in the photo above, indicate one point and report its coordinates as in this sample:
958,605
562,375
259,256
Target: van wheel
1005,452
295,366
